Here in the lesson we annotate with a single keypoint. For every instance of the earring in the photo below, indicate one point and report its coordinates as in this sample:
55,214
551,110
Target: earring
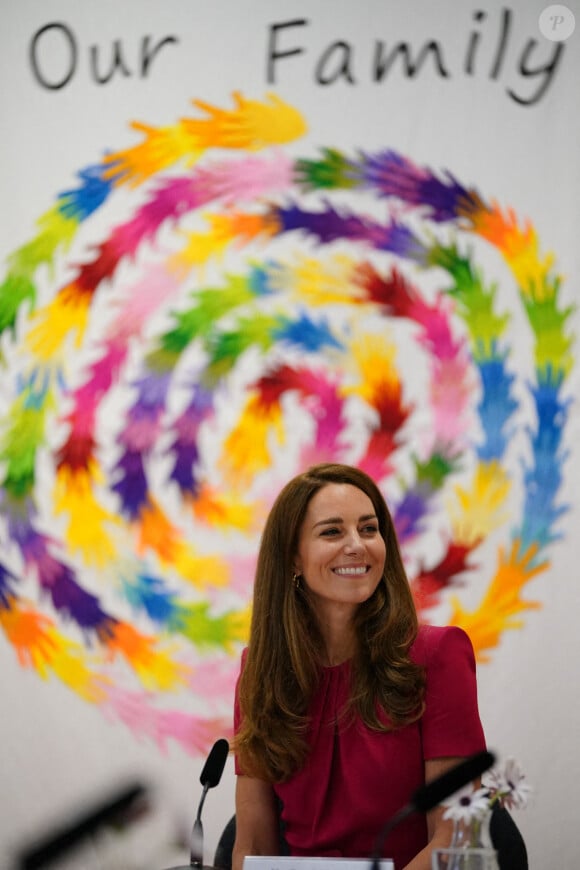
296,581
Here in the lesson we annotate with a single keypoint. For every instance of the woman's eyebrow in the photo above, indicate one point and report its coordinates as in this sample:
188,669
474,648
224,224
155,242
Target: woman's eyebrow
329,520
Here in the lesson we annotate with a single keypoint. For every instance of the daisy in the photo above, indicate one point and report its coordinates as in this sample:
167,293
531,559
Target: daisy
467,804
508,787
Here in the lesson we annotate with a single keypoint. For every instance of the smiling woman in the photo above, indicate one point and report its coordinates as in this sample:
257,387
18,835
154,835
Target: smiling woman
341,558
341,691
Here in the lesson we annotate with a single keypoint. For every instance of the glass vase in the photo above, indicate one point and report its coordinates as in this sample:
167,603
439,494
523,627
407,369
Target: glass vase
463,859
473,833
471,846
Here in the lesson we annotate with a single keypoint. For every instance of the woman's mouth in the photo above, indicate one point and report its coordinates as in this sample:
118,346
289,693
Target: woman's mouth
350,570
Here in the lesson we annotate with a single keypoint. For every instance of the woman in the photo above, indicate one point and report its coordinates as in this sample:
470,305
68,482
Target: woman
344,706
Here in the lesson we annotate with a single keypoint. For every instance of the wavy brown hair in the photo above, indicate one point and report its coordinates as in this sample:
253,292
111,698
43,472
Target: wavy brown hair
282,667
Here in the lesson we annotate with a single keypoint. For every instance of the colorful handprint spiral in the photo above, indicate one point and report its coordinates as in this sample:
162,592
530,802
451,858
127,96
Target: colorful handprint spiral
204,315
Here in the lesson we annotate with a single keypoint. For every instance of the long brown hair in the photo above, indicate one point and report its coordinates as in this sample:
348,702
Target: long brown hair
282,667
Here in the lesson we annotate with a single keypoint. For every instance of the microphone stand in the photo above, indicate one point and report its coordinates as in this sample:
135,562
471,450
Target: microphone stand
399,817
196,850
210,777
433,793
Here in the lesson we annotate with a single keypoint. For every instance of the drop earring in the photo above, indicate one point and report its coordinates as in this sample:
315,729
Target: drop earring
296,581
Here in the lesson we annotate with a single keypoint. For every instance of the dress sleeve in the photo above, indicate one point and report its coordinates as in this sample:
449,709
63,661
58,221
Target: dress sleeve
450,724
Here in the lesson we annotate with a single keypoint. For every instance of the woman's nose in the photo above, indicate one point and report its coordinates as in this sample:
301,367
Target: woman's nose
353,542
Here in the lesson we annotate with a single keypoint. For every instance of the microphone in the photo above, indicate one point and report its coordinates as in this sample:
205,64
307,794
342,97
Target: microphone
433,793
210,776
214,766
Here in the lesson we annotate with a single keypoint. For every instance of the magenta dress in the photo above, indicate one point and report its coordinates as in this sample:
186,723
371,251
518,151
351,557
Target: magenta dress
355,779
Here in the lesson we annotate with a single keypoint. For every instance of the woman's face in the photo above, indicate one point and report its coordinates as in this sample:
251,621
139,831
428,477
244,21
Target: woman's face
341,553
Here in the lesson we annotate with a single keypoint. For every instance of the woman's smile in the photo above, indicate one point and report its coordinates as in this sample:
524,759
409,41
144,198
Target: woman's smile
351,569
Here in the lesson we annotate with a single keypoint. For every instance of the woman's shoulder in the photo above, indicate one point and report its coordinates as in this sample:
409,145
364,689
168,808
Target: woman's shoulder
434,639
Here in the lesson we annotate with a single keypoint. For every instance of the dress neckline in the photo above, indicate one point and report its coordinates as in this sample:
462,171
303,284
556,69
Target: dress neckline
339,666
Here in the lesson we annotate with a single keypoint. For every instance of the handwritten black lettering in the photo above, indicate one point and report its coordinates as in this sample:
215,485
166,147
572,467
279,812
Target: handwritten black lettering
506,23
117,63
473,45
273,53
70,56
56,41
382,64
342,62
342,51
548,70
147,55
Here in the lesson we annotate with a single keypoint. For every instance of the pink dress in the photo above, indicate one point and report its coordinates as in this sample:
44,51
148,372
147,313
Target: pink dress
355,779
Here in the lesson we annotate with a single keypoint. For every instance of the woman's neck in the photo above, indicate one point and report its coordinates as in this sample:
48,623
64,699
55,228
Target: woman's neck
339,637
336,657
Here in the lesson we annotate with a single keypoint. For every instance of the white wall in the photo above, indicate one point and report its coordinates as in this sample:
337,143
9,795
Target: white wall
58,752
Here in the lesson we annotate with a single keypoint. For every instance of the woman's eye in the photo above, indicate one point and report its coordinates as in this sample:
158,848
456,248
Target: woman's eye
328,533
370,530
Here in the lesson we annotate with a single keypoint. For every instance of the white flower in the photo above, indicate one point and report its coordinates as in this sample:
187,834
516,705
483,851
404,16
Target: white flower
467,804
508,786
